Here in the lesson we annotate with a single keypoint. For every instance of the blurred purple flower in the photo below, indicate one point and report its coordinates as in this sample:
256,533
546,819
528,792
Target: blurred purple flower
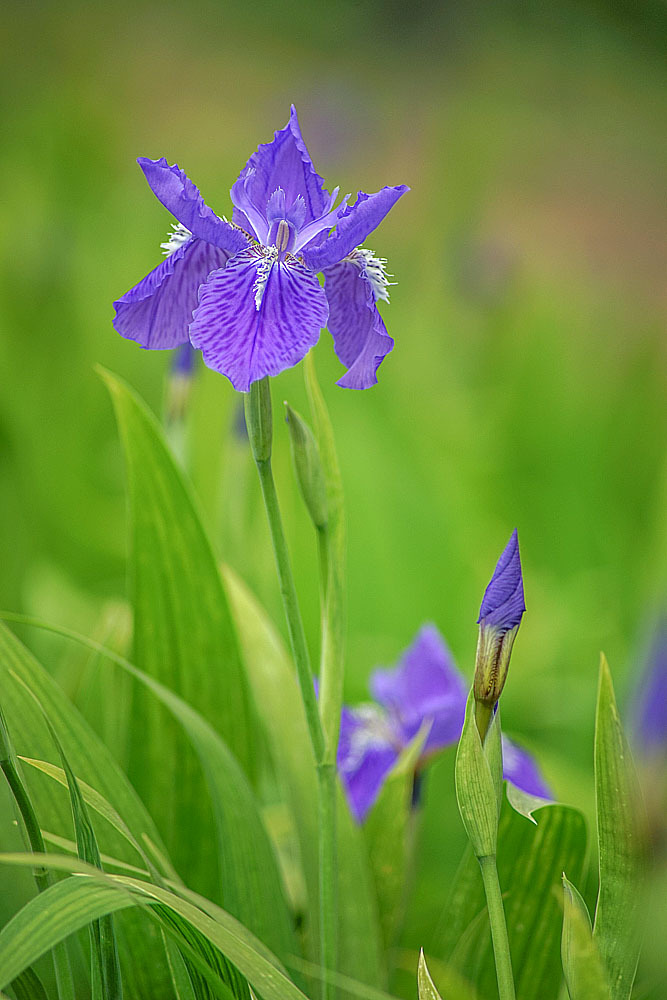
499,619
246,292
650,715
425,686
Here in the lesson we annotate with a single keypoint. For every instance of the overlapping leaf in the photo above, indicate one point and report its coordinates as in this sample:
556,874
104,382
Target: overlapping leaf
183,637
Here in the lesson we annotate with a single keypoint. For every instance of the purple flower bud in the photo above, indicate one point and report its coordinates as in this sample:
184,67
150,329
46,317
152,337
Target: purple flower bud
503,604
499,619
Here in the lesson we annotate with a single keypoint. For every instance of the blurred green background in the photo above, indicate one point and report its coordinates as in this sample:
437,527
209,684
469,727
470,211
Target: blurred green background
527,385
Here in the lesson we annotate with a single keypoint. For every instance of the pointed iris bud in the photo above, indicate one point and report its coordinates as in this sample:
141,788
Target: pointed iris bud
308,467
499,619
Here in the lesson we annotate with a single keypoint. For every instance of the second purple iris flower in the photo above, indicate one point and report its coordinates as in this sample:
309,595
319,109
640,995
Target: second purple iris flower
425,686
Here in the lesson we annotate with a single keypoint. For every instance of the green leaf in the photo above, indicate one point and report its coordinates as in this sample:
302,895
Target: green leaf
28,986
251,883
476,788
531,859
389,833
582,965
183,637
621,844
71,904
425,985
144,966
107,980
277,697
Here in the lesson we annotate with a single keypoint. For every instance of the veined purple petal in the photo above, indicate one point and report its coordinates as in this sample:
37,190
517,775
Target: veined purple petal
521,769
503,602
360,337
181,197
353,226
366,755
650,713
426,685
283,163
258,316
158,311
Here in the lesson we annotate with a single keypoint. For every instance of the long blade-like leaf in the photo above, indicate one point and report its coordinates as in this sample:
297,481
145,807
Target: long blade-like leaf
621,844
71,904
582,965
144,965
183,636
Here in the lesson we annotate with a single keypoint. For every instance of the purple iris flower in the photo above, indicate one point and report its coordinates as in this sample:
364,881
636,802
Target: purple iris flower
246,292
650,711
425,686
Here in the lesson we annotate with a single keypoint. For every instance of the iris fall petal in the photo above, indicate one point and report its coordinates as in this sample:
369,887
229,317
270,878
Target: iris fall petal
158,311
258,316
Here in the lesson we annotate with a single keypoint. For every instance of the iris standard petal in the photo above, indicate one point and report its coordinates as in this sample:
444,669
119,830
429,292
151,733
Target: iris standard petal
366,755
181,197
521,769
426,685
503,603
360,337
283,163
258,316
353,226
158,311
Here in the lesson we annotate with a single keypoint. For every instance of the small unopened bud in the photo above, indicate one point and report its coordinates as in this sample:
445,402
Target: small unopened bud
499,619
259,420
308,467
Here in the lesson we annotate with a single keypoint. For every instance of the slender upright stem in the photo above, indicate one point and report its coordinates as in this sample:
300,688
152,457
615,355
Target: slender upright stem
501,946
259,422
297,635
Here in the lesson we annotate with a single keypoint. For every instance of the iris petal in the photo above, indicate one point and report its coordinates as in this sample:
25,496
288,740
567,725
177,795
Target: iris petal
258,316
353,226
157,312
360,336
365,758
521,769
283,163
426,685
181,197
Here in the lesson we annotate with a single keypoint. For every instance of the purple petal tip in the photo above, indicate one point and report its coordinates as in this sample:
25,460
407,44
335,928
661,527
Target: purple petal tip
503,602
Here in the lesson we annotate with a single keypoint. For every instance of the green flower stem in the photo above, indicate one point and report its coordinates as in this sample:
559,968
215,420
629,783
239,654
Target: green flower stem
258,406
501,946
326,787
259,423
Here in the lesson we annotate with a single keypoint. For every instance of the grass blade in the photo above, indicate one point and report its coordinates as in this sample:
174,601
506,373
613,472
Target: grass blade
71,904
621,844
184,637
582,965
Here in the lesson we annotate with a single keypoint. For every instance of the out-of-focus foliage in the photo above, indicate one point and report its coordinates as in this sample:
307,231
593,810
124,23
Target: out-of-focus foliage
527,383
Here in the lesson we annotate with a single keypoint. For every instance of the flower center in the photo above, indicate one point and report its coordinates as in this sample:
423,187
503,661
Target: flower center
282,235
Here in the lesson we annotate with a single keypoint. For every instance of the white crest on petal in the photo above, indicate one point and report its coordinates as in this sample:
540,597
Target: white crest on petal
175,239
374,270
269,258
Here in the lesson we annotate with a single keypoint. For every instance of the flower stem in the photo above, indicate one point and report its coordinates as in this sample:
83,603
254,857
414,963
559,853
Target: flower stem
501,947
259,422
258,404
